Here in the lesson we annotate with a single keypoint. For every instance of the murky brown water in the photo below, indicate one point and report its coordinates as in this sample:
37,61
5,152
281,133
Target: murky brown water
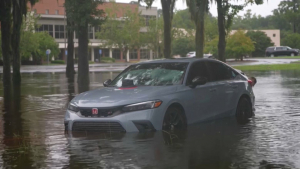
32,131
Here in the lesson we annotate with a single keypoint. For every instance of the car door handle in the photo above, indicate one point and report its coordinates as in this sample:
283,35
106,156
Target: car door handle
213,90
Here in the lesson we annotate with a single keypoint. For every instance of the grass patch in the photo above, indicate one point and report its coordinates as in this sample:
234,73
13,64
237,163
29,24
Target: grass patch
91,62
278,57
291,66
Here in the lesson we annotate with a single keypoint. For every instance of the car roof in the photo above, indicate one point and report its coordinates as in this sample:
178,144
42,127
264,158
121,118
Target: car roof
178,60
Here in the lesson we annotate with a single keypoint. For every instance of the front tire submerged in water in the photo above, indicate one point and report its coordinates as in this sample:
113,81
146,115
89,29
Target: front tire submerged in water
174,120
244,111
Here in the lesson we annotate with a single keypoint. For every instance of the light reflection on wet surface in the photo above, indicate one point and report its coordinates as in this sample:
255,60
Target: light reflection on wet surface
32,132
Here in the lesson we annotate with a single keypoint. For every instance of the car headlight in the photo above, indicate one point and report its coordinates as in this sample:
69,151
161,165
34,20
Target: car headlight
142,106
73,108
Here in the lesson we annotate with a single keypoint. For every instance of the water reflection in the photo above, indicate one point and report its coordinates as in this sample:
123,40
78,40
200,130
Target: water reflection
32,131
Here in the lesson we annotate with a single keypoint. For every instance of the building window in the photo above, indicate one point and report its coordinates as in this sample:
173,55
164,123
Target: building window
91,34
148,18
45,28
133,54
105,53
116,54
97,30
56,12
59,31
47,11
274,35
145,53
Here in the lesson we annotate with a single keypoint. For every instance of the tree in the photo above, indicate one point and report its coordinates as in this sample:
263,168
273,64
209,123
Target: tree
5,18
82,13
123,33
70,60
290,9
44,41
292,40
167,13
182,46
19,10
198,10
239,45
261,42
226,13
154,34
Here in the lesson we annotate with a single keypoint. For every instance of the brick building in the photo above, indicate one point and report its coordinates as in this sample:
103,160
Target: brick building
53,20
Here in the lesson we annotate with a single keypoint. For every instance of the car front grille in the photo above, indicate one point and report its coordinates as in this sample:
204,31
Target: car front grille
87,112
98,126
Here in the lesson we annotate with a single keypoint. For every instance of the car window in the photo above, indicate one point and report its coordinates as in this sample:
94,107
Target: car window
198,69
284,48
152,74
220,71
289,48
271,49
279,48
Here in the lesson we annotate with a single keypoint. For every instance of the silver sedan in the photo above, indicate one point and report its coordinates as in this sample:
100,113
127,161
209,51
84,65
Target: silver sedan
163,95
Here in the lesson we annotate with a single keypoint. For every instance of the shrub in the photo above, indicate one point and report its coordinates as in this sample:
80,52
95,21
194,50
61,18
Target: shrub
58,62
107,60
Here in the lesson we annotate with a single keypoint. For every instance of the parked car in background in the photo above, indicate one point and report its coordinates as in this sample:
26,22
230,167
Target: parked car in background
163,95
193,54
281,51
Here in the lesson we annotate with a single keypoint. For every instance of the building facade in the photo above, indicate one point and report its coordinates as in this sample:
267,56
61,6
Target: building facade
273,34
52,19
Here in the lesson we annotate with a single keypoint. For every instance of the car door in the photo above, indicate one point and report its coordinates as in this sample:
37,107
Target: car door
225,88
285,51
198,100
279,51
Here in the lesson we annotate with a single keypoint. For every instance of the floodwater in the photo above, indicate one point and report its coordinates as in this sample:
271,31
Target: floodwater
32,131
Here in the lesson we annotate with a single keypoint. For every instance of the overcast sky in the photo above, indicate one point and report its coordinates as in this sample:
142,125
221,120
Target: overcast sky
263,10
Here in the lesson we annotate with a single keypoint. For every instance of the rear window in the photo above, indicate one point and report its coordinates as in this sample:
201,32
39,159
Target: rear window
270,49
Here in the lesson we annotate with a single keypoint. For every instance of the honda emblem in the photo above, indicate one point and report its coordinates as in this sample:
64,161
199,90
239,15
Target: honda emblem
94,111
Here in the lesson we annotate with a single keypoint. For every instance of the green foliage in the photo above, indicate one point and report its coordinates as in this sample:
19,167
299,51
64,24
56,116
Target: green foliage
261,42
239,45
124,35
182,46
182,19
58,62
107,60
45,41
292,40
212,46
154,35
34,44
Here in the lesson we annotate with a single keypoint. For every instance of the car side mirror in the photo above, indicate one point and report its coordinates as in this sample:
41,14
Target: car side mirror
106,83
198,81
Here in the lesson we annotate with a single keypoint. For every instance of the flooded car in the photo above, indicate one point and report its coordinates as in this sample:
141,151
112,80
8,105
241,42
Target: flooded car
163,95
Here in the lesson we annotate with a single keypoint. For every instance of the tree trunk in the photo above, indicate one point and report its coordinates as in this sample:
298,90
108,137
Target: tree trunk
200,29
70,60
5,7
83,64
222,32
15,41
167,10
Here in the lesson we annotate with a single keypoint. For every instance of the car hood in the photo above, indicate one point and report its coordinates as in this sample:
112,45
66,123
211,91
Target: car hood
113,96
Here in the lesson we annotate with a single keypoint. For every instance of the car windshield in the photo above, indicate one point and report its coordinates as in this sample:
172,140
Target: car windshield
289,48
152,74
